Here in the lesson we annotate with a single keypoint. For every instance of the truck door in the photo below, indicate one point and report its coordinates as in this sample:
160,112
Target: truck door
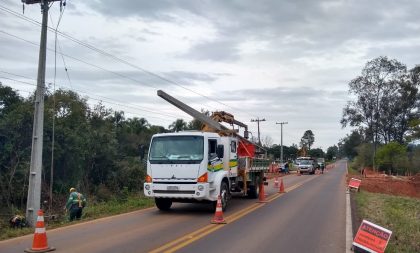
233,161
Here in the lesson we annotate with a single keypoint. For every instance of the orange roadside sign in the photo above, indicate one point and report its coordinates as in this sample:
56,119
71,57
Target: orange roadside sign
371,237
355,183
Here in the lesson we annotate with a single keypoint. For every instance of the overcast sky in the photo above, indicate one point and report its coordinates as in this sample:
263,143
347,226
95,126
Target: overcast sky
276,60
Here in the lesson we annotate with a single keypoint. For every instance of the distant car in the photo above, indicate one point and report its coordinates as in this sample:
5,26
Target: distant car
306,165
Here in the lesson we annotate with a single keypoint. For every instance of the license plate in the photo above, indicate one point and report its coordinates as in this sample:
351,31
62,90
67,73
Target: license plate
172,188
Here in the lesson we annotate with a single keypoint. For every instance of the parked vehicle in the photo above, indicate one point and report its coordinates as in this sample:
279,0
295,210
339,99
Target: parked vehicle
199,166
306,165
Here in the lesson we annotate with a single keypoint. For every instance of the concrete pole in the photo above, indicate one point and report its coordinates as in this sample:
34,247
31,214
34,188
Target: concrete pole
281,140
258,120
33,203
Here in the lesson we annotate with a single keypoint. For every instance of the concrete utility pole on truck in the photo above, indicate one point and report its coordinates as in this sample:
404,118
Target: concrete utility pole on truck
198,166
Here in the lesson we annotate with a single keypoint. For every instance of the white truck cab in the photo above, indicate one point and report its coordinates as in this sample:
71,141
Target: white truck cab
189,167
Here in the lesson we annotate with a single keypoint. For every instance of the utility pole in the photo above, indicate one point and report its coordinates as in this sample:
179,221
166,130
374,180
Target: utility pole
33,203
281,140
258,120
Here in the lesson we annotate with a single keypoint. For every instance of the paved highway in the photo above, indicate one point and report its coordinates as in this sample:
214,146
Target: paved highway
310,217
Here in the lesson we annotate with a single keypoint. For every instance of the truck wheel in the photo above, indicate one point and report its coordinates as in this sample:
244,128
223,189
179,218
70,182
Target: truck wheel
253,192
224,194
163,204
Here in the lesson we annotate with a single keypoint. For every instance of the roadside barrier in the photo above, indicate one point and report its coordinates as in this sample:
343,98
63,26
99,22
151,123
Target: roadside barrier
281,188
218,216
40,243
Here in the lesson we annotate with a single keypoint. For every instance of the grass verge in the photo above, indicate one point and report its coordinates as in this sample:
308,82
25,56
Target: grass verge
92,211
401,215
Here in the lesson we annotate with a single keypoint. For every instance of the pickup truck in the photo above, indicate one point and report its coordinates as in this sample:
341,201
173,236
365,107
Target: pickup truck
306,165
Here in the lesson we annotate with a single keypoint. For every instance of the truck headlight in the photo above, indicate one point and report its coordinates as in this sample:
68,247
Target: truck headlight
147,187
200,187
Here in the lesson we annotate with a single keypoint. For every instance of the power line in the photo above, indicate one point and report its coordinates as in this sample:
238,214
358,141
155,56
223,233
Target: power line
82,61
95,99
95,49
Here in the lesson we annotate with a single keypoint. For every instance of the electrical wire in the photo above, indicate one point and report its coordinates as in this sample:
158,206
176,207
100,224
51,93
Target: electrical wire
95,99
87,63
95,49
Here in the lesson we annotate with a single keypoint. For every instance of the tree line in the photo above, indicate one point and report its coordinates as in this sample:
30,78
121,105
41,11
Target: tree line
385,115
96,149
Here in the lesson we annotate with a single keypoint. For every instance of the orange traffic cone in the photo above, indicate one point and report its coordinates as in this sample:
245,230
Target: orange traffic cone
218,216
40,243
276,182
281,189
261,198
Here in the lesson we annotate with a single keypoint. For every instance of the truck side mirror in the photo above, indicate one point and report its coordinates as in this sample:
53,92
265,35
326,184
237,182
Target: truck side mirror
220,150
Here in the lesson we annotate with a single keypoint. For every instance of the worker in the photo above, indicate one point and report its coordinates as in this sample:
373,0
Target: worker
75,204
286,168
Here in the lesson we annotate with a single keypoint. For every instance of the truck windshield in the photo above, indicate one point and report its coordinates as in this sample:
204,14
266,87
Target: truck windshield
177,149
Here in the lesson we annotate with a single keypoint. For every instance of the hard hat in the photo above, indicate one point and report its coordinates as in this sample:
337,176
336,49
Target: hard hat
72,189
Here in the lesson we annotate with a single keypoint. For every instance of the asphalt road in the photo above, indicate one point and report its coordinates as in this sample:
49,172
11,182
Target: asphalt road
310,217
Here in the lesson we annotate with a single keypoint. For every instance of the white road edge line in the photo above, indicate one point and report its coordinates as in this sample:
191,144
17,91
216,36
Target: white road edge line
349,229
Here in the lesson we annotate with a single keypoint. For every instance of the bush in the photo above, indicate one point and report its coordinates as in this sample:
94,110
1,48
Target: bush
393,157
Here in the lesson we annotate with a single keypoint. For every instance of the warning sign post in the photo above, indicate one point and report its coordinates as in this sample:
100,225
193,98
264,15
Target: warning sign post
371,237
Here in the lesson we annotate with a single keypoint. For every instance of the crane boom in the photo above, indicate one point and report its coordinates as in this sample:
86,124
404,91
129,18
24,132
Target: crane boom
191,111
212,123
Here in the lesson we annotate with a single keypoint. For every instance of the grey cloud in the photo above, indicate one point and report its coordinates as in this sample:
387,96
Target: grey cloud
326,24
220,50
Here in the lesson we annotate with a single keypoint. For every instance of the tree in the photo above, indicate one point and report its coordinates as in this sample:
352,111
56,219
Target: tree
350,143
307,139
316,152
332,152
16,116
364,156
386,95
267,141
392,157
178,125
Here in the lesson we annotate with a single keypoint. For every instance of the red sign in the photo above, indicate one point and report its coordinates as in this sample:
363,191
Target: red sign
355,183
372,237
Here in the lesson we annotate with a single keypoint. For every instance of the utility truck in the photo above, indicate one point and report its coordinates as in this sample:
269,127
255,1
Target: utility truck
200,166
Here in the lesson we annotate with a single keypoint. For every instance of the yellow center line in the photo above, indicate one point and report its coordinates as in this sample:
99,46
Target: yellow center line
196,235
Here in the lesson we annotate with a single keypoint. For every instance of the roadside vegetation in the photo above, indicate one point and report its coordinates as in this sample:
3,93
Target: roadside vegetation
95,210
401,215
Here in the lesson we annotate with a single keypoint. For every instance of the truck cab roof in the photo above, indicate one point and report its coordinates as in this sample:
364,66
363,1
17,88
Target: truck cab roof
189,133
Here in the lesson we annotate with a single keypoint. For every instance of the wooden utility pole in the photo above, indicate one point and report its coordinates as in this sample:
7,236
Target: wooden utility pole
33,203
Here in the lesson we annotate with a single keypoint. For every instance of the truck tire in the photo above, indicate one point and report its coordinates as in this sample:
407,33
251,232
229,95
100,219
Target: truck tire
163,204
253,192
224,193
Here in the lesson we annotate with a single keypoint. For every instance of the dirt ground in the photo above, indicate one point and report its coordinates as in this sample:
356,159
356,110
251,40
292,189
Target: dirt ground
393,185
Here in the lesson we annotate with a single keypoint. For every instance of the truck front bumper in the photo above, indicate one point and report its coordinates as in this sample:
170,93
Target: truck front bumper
198,191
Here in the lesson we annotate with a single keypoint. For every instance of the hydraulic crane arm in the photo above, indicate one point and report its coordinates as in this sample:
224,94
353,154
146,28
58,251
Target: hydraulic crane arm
191,111
210,123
